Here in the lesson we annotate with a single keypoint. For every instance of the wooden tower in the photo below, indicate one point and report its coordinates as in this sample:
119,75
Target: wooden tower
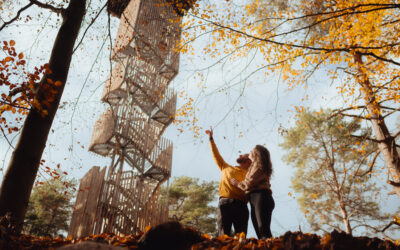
141,106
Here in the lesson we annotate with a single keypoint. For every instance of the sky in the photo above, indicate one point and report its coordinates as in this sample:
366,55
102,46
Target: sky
247,112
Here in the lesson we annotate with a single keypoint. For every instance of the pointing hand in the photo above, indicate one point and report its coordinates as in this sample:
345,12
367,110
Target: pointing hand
210,132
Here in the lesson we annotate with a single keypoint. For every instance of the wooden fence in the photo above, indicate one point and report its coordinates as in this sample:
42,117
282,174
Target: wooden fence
124,203
128,204
86,203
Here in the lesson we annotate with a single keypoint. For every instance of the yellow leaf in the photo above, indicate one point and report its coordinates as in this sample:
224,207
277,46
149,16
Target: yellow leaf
206,236
396,219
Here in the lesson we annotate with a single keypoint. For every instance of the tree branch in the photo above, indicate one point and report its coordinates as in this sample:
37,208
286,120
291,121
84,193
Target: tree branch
91,23
365,225
348,8
394,184
357,116
49,7
366,138
5,136
380,58
389,108
17,16
396,134
372,164
336,112
389,225
345,49
339,14
32,2
389,113
383,86
14,105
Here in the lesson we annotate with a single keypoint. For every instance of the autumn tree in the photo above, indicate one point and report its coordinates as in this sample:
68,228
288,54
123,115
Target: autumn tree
45,90
20,86
23,166
50,208
189,203
333,172
356,43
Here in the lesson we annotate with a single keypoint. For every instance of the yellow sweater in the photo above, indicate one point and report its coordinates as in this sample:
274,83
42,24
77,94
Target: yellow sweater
226,189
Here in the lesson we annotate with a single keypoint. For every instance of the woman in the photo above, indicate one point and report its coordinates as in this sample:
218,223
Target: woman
257,187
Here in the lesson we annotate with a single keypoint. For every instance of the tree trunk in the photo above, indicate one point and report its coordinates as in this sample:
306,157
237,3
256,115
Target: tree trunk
53,216
386,142
342,205
345,216
22,170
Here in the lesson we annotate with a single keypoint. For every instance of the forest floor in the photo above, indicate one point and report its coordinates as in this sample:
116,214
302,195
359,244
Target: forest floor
177,238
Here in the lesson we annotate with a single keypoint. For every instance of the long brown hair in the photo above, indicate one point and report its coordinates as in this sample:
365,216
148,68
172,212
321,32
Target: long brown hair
263,157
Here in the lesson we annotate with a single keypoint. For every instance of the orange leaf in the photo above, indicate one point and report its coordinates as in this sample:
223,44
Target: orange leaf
21,55
58,83
12,43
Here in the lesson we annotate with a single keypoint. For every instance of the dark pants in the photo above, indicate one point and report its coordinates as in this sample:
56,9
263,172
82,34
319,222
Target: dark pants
232,212
262,204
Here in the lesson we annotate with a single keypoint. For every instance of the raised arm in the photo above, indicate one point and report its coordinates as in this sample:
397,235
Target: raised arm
215,153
